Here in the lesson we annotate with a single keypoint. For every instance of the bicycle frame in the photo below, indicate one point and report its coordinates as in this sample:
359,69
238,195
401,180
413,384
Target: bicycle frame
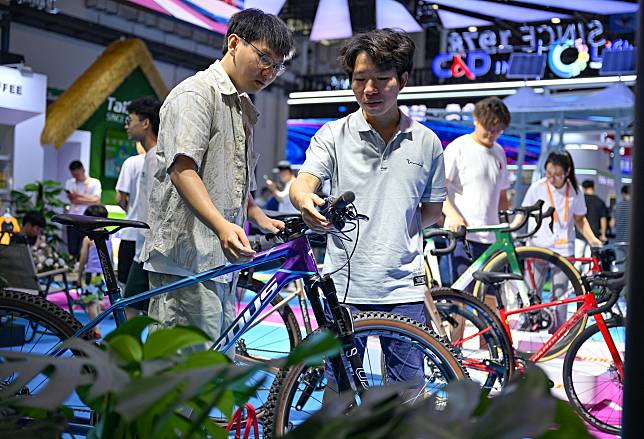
503,243
299,262
589,304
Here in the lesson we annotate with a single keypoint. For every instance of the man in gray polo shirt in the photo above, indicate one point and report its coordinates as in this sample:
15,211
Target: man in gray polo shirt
394,165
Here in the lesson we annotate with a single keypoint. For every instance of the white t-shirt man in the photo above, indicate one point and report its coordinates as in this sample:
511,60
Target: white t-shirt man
285,206
128,183
91,186
567,203
476,176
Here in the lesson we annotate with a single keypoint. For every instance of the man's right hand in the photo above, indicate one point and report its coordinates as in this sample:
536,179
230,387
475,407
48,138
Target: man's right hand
234,243
310,214
455,221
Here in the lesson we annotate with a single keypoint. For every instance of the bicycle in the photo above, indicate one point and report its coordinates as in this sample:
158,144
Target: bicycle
297,263
596,392
531,288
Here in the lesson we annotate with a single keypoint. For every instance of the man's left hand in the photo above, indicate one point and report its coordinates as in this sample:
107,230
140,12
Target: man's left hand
270,225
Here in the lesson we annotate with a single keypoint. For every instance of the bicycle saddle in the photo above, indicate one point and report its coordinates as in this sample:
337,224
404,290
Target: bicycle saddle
493,278
88,223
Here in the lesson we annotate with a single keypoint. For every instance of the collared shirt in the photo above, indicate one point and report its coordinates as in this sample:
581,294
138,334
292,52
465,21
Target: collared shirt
389,181
144,187
205,119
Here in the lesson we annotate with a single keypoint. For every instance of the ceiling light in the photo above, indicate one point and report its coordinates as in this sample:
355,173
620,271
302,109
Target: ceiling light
555,20
472,29
434,6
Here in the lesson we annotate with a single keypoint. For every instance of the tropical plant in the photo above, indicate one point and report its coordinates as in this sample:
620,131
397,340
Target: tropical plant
524,409
159,387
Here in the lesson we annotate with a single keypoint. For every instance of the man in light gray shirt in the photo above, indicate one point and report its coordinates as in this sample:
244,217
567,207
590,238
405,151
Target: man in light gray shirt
394,165
201,189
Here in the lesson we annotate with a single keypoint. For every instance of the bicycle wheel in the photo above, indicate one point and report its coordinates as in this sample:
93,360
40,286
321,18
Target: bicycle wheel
477,335
278,333
547,276
591,380
298,392
29,323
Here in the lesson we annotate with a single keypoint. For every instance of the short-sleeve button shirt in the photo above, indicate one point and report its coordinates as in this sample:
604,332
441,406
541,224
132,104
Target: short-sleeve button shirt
389,181
207,120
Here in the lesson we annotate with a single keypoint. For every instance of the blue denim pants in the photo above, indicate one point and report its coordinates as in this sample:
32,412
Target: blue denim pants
402,363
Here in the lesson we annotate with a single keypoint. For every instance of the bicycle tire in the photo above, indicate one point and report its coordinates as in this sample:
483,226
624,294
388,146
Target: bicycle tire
499,264
286,383
481,317
578,392
246,350
21,312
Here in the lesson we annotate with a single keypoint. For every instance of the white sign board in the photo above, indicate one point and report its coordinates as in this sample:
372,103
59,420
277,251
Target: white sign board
21,96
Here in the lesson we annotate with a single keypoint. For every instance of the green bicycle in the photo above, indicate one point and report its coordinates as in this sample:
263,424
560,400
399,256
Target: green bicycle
546,276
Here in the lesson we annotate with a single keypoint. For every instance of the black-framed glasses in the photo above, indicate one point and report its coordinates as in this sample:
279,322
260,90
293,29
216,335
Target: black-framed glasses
265,61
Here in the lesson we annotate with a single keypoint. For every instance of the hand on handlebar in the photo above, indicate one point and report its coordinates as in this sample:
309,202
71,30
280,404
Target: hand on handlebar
455,222
311,216
234,244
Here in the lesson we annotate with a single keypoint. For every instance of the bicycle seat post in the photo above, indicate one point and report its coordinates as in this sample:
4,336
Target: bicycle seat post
113,291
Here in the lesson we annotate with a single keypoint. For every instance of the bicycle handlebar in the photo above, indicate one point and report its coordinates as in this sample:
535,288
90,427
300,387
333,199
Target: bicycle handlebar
613,282
336,210
459,235
527,212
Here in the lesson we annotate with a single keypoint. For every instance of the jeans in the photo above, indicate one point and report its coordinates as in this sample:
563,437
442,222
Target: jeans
402,364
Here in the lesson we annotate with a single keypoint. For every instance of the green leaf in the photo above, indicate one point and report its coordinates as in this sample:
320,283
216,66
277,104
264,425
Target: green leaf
569,424
133,327
127,348
215,430
202,359
168,341
314,349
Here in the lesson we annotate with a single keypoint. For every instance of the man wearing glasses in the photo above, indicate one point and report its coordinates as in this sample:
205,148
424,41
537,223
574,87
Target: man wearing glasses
201,190
477,179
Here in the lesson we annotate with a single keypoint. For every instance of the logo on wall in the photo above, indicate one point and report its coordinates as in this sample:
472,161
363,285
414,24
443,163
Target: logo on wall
456,65
574,68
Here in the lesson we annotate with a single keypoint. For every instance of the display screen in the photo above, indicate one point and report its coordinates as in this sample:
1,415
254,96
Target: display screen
117,149
300,132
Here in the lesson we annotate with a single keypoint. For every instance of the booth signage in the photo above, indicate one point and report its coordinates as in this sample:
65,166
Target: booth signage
22,92
571,50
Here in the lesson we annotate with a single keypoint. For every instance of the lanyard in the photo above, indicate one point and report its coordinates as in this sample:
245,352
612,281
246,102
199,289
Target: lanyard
552,203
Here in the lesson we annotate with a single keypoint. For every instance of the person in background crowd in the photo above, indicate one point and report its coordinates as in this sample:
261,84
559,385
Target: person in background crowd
621,225
82,191
200,195
142,125
476,173
266,200
33,224
597,216
394,165
559,189
286,177
126,198
90,273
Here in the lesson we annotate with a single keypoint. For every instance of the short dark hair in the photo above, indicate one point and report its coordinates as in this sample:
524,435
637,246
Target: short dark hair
147,107
388,49
34,218
626,189
76,164
97,210
588,184
491,112
256,25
